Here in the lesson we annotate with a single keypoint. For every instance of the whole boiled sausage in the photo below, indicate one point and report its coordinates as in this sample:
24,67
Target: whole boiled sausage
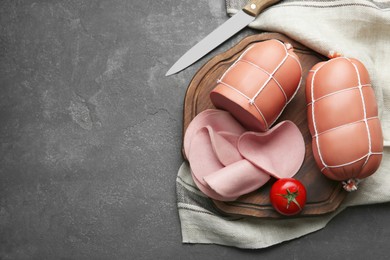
257,87
343,120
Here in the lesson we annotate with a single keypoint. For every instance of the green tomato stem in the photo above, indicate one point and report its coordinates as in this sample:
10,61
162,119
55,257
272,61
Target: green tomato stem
291,197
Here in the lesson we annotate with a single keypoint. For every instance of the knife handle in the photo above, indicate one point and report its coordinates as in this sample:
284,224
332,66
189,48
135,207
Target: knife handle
254,7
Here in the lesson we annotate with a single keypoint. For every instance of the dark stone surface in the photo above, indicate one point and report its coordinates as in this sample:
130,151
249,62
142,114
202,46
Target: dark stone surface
91,132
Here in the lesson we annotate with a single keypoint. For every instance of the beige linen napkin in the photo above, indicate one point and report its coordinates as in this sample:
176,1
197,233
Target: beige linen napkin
356,28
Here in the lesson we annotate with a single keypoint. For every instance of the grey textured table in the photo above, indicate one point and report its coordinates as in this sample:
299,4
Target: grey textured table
91,131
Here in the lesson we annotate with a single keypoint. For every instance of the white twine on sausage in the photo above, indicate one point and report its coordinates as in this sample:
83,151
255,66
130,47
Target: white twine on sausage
270,77
365,118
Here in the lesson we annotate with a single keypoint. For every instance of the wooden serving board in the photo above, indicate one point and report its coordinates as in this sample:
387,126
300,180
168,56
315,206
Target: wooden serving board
323,195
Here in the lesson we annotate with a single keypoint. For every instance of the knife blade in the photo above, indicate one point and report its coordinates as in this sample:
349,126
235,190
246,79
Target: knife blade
221,34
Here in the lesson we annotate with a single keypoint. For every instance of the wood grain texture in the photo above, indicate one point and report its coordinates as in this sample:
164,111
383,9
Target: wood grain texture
323,195
255,7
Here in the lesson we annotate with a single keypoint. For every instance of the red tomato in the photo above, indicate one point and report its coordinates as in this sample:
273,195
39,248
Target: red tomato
288,196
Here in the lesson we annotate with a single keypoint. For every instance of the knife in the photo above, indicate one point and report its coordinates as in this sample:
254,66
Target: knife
222,33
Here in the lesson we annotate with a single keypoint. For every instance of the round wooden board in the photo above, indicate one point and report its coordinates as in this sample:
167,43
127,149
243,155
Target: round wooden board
323,195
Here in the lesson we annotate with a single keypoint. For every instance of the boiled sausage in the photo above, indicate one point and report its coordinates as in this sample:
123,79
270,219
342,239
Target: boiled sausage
259,85
343,120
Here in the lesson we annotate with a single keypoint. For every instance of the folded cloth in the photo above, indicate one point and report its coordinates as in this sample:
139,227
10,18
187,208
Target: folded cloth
356,28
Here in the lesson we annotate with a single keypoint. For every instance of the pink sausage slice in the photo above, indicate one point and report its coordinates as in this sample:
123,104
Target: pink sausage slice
215,118
237,179
279,151
226,165
222,182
